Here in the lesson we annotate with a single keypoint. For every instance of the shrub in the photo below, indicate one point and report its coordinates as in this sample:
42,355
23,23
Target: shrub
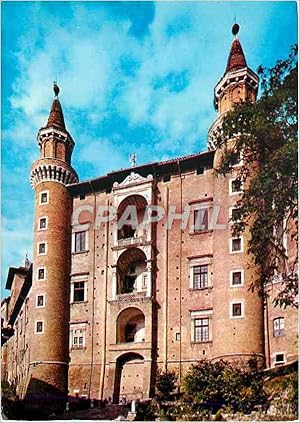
213,385
165,385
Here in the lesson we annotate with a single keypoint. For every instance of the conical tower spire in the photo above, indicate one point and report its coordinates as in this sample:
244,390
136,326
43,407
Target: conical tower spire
236,59
56,117
239,83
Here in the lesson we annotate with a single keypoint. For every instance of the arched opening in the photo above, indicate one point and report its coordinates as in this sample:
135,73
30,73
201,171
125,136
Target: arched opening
131,326
132,272
129,377
132,230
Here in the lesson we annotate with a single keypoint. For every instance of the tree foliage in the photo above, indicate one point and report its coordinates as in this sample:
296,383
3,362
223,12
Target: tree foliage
265,136
213,385
165,385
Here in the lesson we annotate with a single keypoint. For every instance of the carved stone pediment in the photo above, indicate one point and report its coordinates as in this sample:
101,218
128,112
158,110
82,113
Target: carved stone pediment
133,179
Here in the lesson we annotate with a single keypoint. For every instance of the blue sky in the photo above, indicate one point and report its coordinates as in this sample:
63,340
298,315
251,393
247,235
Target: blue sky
134,77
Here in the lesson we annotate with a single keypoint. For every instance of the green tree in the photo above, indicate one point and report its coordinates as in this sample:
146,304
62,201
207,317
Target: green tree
213,385
265,136
165,385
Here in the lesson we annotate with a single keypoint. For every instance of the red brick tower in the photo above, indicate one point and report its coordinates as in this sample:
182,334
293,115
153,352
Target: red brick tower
49,349
239,83
238,310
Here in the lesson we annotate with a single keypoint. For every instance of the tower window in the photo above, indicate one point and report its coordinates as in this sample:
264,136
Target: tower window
44,197
39,326
43,223
278,327
234,214
236,278
40,300
237,309
80,242
201,330
236,245
235,186
42,248
41,273
200,277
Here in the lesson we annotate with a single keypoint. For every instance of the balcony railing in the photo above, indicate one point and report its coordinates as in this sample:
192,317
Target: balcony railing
131,297
128,242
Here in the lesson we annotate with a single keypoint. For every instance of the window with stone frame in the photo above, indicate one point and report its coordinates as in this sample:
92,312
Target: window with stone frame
79,292
201,329
39,326
40,300
43,223
234,214
236,309
44,197
42,248
41,273
236,186
200,272
236,245
200,276
278,327
80,242
279,358
236,278
78,338
201,220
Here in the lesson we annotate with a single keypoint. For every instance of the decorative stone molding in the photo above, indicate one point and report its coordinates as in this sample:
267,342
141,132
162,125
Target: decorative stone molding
234,78
51,133
133,179
50,172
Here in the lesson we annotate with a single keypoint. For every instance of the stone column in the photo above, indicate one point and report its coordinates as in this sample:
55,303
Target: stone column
114,284
149,278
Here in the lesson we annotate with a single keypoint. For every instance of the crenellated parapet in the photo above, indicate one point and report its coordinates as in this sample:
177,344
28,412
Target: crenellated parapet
52,170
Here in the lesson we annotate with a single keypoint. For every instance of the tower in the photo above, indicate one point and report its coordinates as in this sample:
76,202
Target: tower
49,349
237,309
239,83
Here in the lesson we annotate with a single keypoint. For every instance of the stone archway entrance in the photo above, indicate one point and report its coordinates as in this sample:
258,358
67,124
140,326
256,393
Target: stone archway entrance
129,377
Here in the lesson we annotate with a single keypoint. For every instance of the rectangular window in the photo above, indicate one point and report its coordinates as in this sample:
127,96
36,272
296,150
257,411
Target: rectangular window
78,338
41,273
201,330
80,241
234,215
279,358
278,327
236,186
200,277
39,327
44,197
42,248
237,310
236,278
79,292
178,337
236,245
200,220
43,223
40,300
